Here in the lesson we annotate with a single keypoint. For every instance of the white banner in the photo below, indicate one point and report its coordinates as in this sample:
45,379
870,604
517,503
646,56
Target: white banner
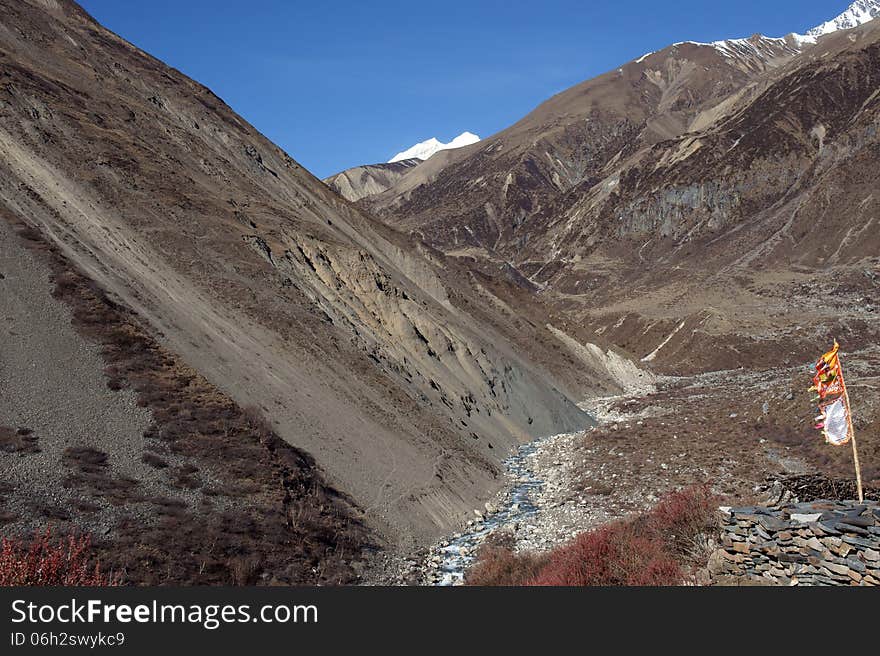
836,424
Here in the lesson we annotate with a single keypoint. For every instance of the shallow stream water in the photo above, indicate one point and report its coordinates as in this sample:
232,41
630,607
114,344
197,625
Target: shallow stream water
518,505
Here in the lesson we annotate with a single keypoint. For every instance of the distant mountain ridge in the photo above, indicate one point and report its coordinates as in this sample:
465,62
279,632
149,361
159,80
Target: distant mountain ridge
749,55
360,182
371,179
660,203
858,13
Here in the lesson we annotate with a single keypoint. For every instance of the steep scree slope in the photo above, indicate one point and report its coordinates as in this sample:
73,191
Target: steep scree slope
373,355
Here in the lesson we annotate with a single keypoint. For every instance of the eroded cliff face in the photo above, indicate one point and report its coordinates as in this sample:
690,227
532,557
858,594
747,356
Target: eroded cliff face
364,348
812,119
753,180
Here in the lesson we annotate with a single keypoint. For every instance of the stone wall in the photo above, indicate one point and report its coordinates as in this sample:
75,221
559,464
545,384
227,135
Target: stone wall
815,543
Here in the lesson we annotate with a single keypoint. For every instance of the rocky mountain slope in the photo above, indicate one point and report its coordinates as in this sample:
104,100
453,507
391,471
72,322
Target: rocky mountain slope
370,179
404,375
486,195
705,206
768,210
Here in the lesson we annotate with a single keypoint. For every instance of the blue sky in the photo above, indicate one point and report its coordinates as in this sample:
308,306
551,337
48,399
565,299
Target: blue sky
342,83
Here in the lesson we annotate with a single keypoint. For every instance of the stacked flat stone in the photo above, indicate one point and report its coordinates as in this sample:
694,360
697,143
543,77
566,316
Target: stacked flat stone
815,543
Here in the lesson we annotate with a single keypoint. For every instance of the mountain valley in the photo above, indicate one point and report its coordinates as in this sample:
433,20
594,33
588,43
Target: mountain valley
230,372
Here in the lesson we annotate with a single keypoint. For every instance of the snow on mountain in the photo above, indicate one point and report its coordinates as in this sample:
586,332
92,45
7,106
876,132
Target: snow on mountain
427,148
756,46
858,13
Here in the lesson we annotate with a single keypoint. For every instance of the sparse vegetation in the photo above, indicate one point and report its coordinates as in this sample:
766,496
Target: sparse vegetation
612,555
498,564
154,460
85,458
90,471
44,560
20,440
593,487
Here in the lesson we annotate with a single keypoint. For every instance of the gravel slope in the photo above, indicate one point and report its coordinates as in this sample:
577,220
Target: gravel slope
52,382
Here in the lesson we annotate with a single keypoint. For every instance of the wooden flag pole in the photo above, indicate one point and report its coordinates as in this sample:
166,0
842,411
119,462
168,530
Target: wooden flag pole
852,432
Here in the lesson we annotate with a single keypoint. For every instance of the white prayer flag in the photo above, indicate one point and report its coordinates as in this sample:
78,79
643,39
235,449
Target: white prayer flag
836,423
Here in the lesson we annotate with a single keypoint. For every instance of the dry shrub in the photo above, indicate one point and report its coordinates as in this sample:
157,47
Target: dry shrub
682,518
244,570
21,440
612,555
29,234
169,507
85,458
184,481
90,472
498,564
154,460
44,561
51,511
653,549
65,283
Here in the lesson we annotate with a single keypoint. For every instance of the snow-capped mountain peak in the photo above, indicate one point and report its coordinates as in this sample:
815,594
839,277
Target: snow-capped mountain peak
427,148
858,13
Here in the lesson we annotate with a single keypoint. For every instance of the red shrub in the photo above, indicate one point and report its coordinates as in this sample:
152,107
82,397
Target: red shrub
612,555
653,549
498,564
680,517
45,562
